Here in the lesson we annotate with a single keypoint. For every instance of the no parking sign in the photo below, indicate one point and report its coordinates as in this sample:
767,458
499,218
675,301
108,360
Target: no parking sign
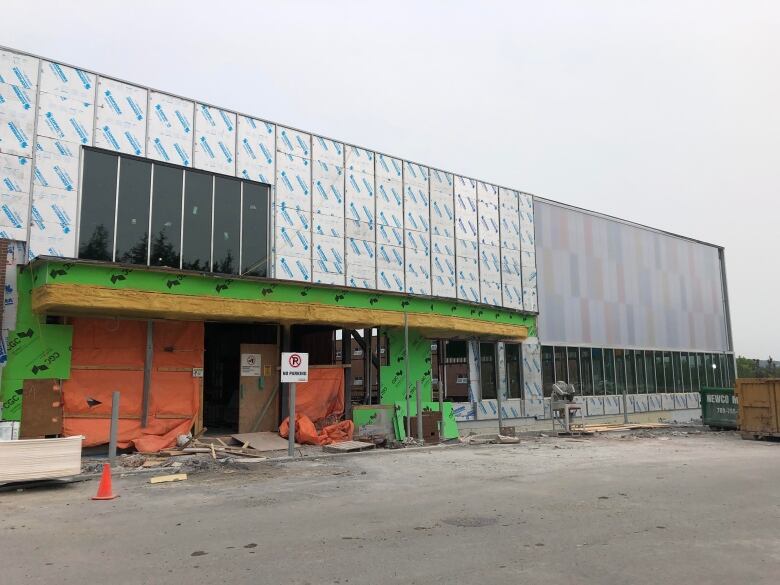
295,367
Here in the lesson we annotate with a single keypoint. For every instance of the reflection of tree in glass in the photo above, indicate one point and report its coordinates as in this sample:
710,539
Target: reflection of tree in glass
136,254
164,251
226,267
97,247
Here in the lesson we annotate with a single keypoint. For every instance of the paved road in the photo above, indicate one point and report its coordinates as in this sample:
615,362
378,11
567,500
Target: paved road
672,509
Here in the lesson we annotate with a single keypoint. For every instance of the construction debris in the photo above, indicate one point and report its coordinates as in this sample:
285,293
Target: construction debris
607,427
490,439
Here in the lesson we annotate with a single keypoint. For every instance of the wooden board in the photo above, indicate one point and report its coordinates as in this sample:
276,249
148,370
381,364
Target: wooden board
41,409
262,441
258,395
167,478
348,447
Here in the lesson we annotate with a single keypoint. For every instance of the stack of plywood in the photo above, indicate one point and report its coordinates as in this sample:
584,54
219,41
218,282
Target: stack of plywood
34,459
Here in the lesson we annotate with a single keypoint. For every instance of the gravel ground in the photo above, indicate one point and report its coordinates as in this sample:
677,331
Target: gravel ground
660,506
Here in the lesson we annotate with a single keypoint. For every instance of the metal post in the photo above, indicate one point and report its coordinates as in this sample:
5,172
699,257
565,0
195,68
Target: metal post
625,407
114,426
291,430
419,411
147,373
406,376
499,359
442,354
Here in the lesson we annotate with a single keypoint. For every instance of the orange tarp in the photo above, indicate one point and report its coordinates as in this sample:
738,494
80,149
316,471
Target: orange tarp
322,396
108,355
317,401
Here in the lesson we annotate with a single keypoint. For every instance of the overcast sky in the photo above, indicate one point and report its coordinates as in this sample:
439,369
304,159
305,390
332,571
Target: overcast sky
666,113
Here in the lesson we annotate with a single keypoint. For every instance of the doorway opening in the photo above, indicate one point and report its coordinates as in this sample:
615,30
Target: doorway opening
222,395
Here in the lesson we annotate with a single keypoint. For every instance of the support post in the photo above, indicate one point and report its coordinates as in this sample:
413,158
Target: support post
367,365
406,376
291,430
442,354
114,429
625,407
147,373
346,359
419,411
499,355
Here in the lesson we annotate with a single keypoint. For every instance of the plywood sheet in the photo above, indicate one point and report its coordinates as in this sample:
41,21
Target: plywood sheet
263,441
42,409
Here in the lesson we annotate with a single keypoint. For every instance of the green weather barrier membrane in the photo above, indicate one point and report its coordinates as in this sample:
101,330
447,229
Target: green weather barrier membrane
392,376
187,283
35,350
450,430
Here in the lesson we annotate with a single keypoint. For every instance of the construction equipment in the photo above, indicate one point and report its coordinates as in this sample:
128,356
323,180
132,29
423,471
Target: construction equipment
563,409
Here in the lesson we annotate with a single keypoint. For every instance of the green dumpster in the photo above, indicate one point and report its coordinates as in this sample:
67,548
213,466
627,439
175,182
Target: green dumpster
719,407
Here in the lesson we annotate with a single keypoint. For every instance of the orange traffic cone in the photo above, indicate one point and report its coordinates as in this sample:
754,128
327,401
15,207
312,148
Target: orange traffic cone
104,489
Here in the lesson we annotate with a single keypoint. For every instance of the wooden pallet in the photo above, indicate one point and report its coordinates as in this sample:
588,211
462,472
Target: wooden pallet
348,447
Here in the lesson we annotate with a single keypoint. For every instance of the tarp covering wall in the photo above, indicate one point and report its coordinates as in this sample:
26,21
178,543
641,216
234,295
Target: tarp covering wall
109,355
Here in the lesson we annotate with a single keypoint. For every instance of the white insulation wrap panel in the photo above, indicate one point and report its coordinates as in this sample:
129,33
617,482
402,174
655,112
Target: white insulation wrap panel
68,82
390,268
388,167
17,119
418,271
389,236
170,136
359,276
443,279
417,175
15,173
294,142
389,202
327,188
467,278
51,239
359,197
330,252
292,268
121,117
56,164
359,160
293,219
215,140
326,225
54,207
290,242
256,150
328,150
293,182
19,70
66,118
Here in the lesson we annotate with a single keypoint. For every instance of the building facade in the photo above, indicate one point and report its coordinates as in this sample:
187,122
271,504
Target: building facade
126,203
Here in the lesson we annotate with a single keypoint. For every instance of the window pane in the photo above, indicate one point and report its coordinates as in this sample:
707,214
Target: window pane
548,371
641,384
132,224
650,372
708,370
586,371
513,371
196,253
686,373
620,371
574,367
227,224
166,216
730,368
598,372
724,372
630,372
659,372
702,367
560,365
254,230
676,372
98,202
609,371
694,372
488,370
